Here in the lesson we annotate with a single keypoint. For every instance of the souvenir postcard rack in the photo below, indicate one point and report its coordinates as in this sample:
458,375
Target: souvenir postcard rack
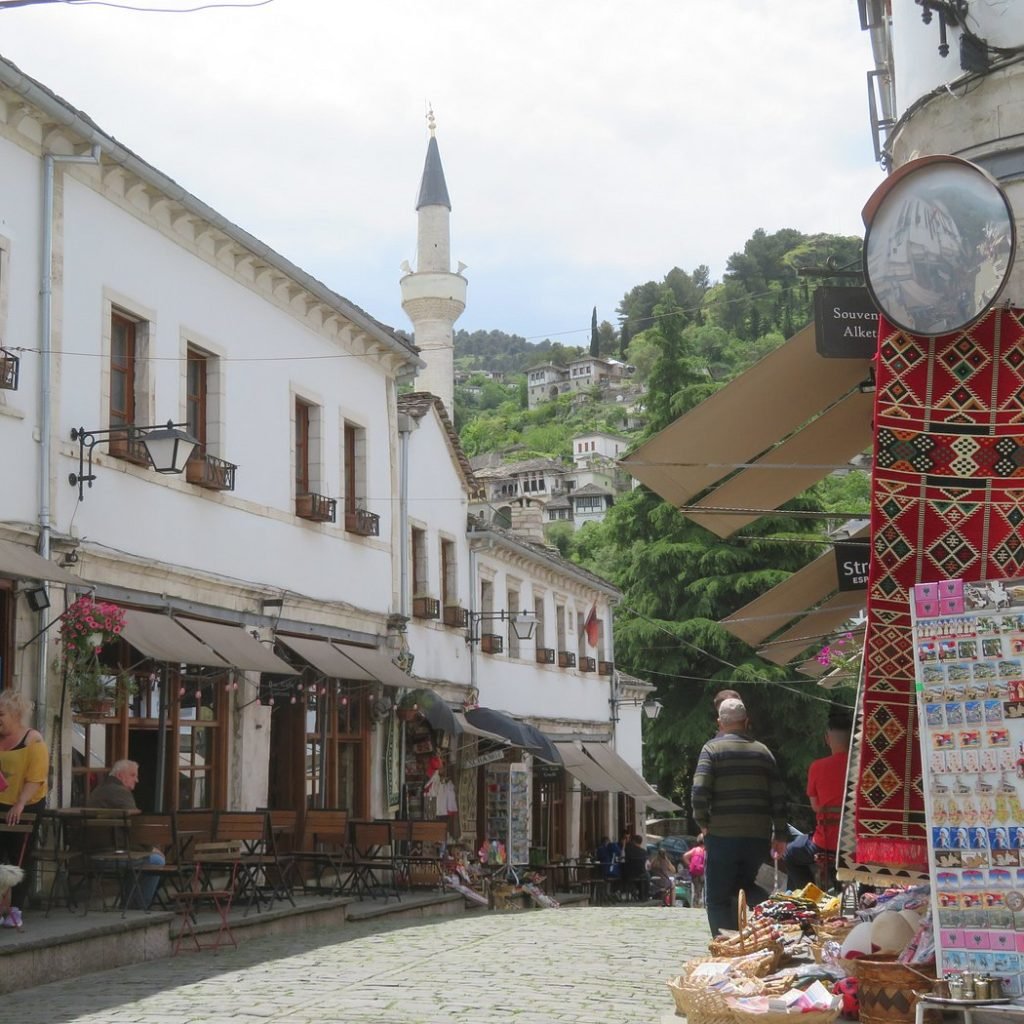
969,661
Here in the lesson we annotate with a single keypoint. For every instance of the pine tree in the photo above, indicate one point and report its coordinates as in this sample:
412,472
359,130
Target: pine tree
595,341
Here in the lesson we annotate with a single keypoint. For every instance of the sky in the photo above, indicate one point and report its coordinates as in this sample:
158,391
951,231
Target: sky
588,145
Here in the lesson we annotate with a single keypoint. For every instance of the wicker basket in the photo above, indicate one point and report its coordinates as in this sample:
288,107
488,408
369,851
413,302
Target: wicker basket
745,942
885,989
741,1016
703,1005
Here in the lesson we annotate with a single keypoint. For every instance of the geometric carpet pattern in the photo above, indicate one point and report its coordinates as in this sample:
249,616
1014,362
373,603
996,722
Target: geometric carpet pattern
947,502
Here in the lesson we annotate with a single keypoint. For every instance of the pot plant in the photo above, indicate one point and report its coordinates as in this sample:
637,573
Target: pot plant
85,629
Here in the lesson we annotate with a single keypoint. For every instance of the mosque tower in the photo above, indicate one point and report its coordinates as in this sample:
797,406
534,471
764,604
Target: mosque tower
432,296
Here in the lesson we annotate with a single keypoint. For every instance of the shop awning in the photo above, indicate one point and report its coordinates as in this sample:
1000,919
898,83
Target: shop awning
541,746
159,637
466,727
517,733
799,462
631,782
324,657
586,769
376,664
790,599
813,627
434,708
237,647
735,425
22,563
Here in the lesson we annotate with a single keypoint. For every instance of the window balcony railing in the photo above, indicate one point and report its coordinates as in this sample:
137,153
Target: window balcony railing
9,364
588,665
210,472
128,446
316,508
492,643
566,659
362,523
426,608
545,655
605,668
456,616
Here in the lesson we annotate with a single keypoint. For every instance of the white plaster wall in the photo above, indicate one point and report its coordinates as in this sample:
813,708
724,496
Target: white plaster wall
20,206
521,686
918,66
438,504
251,534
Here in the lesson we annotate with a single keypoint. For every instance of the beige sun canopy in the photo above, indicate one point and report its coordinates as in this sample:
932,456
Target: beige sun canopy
159,637
20,562
735,425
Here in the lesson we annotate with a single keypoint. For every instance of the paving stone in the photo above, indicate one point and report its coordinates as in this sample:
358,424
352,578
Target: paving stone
586,965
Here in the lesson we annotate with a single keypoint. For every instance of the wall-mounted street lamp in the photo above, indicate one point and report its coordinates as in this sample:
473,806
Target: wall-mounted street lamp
524,623
168,448
652,708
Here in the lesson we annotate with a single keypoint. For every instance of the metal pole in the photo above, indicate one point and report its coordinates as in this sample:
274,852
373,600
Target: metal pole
161,745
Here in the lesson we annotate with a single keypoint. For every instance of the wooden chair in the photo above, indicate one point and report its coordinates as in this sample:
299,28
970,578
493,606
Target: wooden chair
191,827
156,832
325,850
371,858
212,884
259,868
421,852
285,836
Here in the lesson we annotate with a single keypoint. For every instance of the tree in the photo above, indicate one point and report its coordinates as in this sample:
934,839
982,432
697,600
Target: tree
595,341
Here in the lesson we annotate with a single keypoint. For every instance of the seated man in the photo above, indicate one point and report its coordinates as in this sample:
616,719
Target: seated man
115,793
635,876
826,788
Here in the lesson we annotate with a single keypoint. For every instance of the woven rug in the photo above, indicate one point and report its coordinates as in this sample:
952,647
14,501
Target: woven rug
947,502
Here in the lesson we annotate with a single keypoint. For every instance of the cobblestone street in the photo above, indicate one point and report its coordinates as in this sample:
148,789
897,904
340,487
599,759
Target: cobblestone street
586,965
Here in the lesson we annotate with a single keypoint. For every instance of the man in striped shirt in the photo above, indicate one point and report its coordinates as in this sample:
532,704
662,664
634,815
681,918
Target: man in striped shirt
739,805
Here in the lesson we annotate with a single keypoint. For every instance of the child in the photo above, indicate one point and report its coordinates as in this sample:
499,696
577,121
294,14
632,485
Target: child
693,861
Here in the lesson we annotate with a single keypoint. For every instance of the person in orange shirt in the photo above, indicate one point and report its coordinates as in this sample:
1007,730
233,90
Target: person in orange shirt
826,788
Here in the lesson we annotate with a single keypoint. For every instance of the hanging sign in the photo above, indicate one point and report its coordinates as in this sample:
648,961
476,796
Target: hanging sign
845,323
476,762
852,560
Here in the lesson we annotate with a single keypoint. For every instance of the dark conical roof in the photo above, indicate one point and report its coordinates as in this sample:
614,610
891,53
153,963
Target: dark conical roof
433,190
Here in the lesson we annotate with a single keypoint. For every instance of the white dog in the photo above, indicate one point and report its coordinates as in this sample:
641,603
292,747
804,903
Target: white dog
10,876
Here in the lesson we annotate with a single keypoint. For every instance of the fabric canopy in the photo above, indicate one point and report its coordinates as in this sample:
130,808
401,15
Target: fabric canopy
518,733
324,657
159,637
434,709
814,627
776,396
237,647
804,458
541,746
631,782
586,769
466,727
22,563
375,664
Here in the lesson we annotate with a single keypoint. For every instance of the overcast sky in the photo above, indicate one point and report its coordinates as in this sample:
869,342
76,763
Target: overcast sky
588,145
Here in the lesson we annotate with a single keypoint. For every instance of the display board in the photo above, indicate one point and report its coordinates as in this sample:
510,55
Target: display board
969,661
508,809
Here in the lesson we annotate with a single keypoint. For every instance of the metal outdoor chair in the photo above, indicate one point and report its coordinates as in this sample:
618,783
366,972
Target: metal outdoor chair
212,884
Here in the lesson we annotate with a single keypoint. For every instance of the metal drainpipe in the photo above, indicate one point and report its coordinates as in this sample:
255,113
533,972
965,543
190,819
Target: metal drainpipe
46,399
405,429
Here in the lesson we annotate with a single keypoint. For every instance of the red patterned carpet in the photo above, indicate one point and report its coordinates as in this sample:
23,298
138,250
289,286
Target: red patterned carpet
947,503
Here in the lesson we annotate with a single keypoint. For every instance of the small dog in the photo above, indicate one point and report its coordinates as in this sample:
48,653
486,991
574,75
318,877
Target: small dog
10,876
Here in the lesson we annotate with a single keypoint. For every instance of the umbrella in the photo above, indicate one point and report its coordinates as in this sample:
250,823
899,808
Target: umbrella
495,721
519,733
434,709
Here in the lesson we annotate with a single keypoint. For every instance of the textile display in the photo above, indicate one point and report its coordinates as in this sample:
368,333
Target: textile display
947,502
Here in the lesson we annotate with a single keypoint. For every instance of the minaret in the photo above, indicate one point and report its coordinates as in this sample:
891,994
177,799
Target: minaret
432,296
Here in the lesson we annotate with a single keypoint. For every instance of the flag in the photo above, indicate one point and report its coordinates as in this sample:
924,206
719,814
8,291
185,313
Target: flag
592,626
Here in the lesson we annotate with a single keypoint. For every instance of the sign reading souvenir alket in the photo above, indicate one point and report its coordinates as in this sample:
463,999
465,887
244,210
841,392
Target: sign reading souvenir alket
845,323
969,665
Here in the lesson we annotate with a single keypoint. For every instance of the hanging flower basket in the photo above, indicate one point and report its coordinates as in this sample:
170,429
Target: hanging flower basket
85,629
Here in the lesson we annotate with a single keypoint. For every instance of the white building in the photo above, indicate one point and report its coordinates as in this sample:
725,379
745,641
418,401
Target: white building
277,590
547,382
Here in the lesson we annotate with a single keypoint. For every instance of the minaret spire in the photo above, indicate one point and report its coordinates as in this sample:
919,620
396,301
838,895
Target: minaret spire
432,296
